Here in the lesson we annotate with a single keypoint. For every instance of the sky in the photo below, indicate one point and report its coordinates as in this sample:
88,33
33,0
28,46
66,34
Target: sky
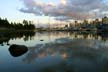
55,10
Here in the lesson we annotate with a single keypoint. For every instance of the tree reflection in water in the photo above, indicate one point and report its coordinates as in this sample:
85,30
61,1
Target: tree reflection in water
79,52
5,37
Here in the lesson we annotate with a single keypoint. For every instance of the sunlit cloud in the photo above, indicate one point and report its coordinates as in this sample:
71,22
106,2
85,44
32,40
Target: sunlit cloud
70,9
63,2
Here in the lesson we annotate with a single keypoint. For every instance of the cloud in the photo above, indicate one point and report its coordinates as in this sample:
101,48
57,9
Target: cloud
63,2
63,18
67,9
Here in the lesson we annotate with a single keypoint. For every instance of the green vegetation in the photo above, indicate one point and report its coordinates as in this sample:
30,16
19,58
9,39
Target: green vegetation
85,25
25,25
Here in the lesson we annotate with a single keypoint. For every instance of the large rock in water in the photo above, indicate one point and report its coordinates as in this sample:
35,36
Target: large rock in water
17,50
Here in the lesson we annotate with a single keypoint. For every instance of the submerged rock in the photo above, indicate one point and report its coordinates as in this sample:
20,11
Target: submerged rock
17,50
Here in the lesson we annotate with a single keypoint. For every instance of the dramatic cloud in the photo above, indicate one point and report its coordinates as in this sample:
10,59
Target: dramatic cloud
67,9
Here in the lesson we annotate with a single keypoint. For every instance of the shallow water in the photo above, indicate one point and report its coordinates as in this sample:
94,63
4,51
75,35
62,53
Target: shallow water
55,52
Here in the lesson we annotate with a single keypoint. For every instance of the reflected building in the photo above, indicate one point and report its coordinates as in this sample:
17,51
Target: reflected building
67,54
50,36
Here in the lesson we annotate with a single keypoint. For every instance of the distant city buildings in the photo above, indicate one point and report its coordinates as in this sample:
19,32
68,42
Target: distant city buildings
105,20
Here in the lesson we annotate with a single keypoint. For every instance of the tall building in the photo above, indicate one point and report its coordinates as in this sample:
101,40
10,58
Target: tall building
105,20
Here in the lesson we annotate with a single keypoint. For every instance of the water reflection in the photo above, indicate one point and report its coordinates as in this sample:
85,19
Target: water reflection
58,52
77,55
6,37
104,35
50,36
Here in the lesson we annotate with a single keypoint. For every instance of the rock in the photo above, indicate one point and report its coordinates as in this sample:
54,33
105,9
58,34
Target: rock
17,50
41,40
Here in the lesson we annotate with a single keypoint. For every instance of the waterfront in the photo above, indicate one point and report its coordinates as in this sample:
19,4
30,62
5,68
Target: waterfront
55,52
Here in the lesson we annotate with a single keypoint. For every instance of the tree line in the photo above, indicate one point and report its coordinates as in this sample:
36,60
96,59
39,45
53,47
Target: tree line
25,25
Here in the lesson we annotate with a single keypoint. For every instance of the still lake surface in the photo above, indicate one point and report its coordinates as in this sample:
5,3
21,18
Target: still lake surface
55,52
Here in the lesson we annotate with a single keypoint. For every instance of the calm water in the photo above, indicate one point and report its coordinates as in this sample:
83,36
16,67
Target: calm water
55,52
